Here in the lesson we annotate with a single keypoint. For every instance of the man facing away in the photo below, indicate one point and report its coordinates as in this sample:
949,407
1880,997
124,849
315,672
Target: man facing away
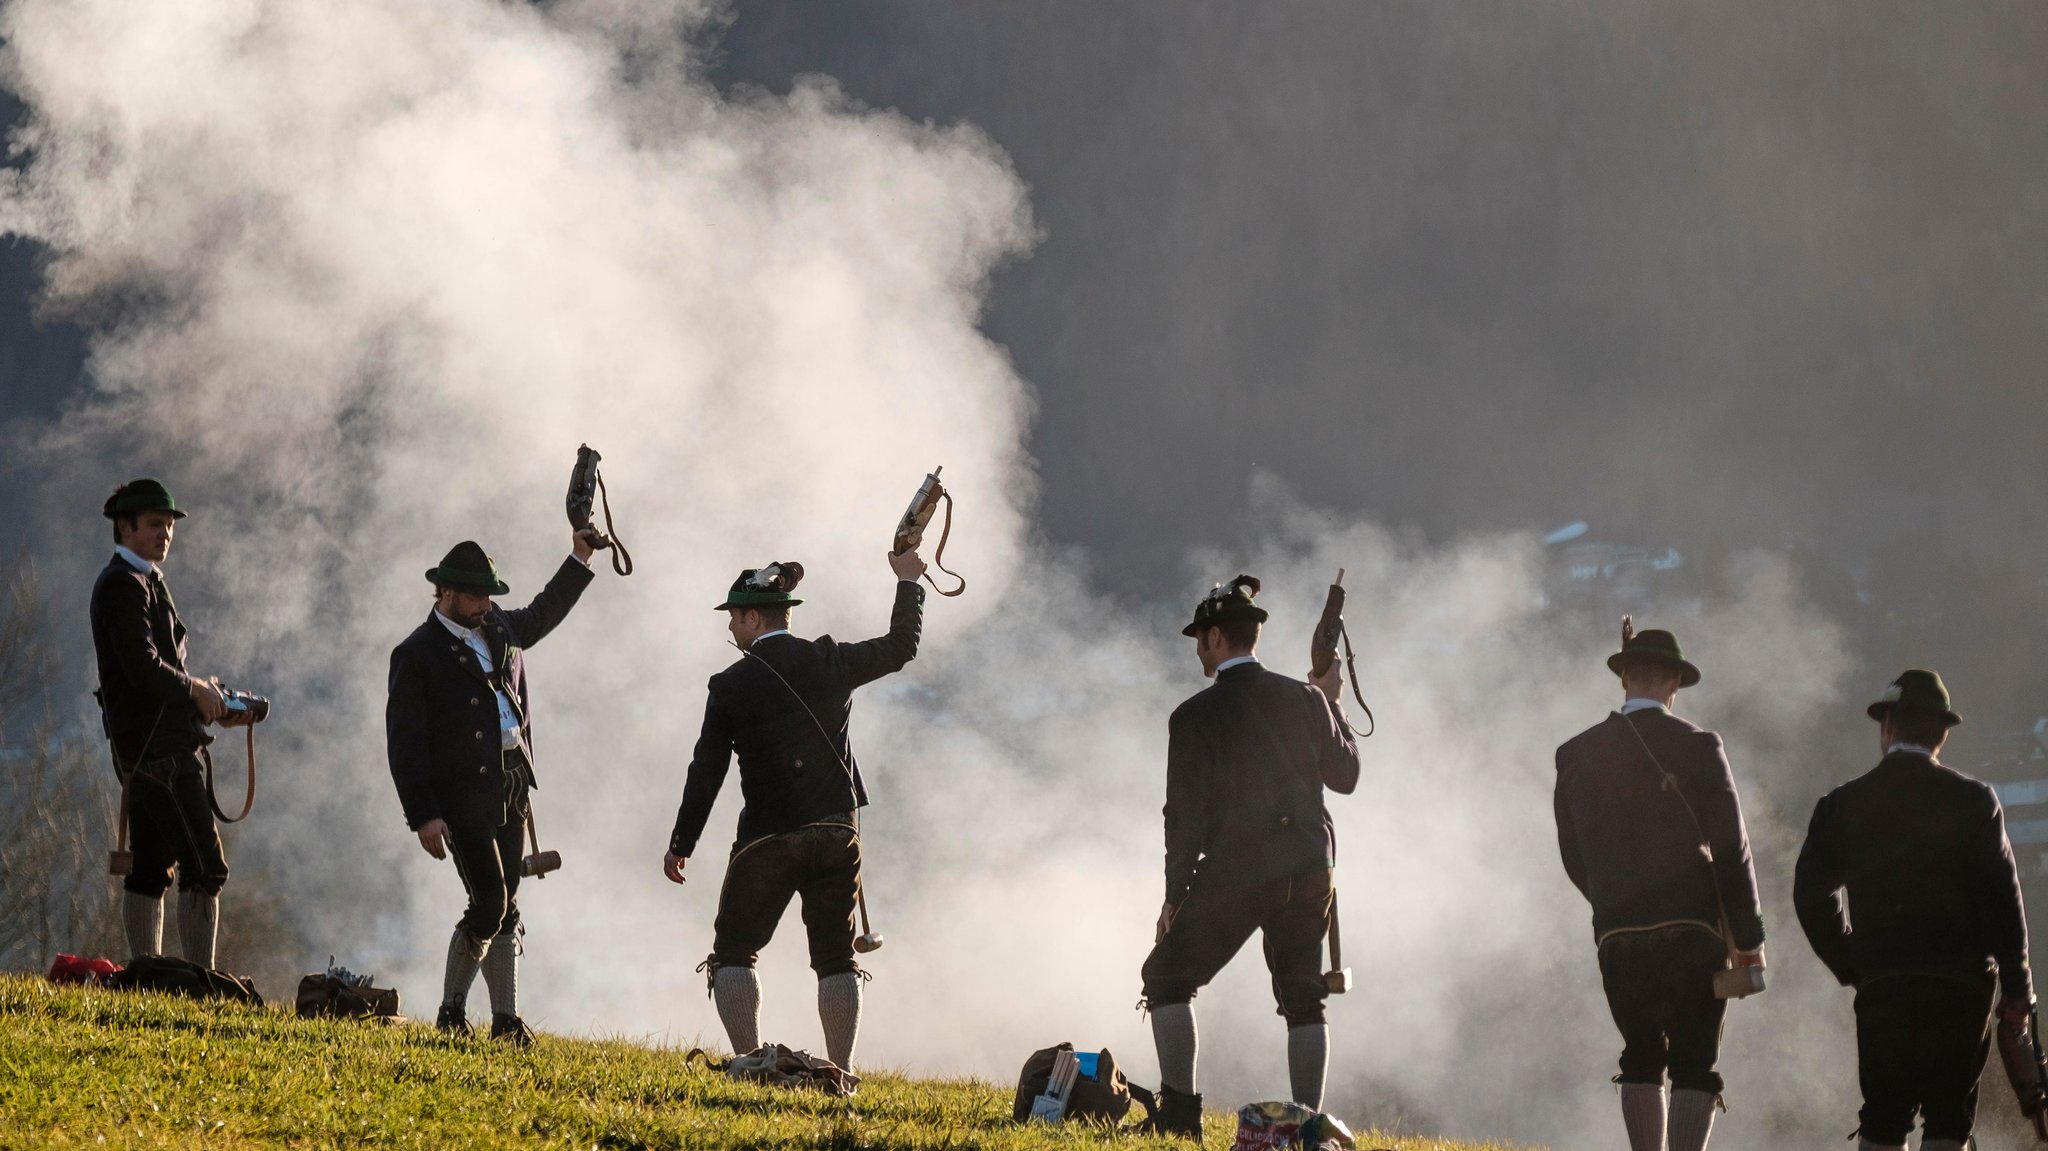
459,733
156,714
1651,832
1249,846
1907,889
783,707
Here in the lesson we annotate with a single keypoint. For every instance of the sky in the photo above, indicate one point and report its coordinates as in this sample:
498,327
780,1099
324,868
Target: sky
1171,291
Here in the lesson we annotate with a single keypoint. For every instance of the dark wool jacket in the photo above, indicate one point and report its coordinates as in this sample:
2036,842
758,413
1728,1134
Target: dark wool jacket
1907,870
441,721
790,773
1247,759
1628,844
139,642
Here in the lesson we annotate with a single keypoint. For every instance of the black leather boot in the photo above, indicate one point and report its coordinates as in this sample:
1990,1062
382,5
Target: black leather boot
452,1020
1178,1114
511,1029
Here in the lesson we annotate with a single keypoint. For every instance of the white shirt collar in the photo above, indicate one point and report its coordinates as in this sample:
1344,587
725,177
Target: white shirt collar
1911,748
133,560
456,628
1227,664
1632,706
766,634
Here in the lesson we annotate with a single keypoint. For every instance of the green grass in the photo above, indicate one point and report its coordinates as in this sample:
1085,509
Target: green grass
89,1068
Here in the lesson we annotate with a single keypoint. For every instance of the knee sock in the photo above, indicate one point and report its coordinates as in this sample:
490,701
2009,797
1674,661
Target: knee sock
1173,1035
465,953
1642,1112
1692,1118
142,921
198,922
1864,1144
1944,1144
839,1011
1308,1062
501,975
737,991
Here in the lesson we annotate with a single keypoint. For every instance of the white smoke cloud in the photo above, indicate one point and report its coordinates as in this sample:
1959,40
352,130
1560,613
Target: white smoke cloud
362,276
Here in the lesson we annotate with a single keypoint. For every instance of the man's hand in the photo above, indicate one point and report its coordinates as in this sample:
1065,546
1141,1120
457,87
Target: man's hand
206,696
1330,683
907,566
1165,923
1750,958
435,839
585,542
2015,1011
672,866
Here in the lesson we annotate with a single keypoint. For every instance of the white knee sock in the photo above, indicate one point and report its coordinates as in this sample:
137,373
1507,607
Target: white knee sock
465,952
142,921
737,992
1642,1112
1173,1035
839,1011
1308,1063
198,924
1692,1118
501,975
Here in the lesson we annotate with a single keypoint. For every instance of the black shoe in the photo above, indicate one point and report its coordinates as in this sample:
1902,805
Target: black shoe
452,1020
1178,1114
512,1029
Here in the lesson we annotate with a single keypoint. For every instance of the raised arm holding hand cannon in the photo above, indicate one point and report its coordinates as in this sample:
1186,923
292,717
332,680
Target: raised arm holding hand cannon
783,706
156,712
1249,846
1651,832
459,733
1915,852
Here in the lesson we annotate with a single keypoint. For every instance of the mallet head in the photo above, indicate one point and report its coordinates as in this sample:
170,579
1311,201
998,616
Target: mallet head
537,865
1337,982
872,941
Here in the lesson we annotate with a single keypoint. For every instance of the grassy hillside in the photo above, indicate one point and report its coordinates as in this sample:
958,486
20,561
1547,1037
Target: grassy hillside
82,1068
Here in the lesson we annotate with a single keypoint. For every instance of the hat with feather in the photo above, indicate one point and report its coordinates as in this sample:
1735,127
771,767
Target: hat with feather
765,587
1227,603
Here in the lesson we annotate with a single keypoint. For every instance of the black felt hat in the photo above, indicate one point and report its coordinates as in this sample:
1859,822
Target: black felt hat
1227,603
1656,647
468,568
147,494
765,587
1916,690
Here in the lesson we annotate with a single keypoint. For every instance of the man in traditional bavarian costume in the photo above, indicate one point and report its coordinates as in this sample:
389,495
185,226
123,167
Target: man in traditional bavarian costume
783,706
459,734
156,714
1249,846
1914,853
1638,795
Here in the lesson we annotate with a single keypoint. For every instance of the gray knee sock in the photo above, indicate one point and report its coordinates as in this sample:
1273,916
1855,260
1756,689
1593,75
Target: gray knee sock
839,1011
1692,1118
737,992
1642,1112
1943,1144
198,923
1173,1034
501,975
465,953
1864,1144
142,921
1308,1063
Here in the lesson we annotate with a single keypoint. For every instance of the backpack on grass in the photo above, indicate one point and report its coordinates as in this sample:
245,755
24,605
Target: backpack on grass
781,1066
1059,1083
178,977
323,995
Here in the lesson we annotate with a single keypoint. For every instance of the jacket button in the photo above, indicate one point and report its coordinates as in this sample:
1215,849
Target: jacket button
799,764
474,701
479,735
484,768
1286,820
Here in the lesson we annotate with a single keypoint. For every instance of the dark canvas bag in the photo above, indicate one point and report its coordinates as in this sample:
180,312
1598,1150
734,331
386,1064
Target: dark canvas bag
322,995
178,977
1104,1097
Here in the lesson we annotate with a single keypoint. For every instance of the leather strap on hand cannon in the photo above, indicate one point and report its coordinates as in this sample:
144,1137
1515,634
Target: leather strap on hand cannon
586,489
1322,646
910,529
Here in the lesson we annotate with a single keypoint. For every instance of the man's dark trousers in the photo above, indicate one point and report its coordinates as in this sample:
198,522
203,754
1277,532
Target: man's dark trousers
820,863
1213,922
1660,989
487,840
170,821
1921,1043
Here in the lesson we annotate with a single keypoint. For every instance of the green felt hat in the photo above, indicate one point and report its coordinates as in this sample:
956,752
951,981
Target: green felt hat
765,587
1916,690
468,568
1227,603
147,494
1653,647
